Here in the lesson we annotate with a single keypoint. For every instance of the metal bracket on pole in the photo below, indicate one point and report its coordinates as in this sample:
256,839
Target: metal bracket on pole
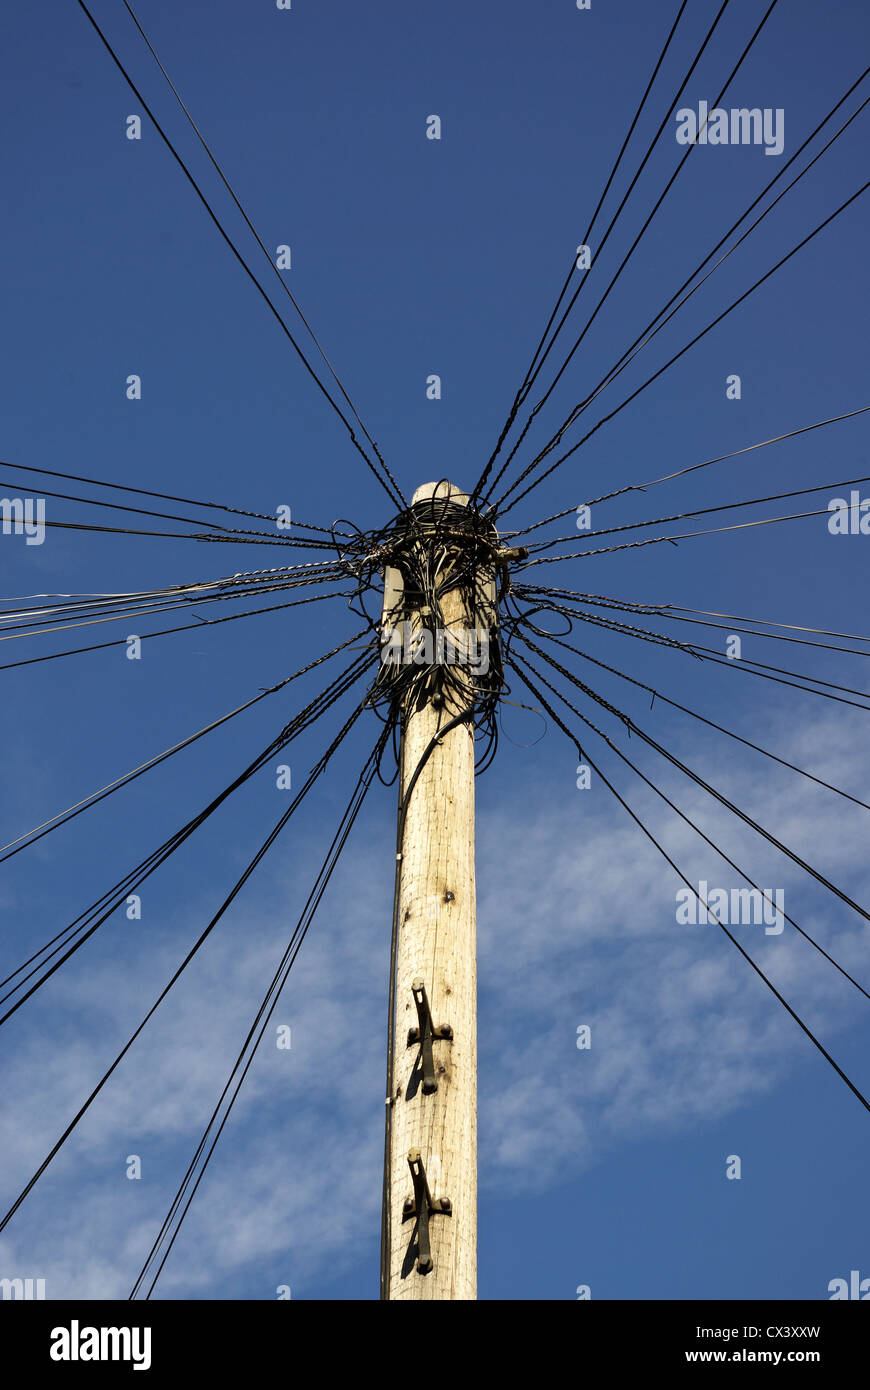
422,1206
425,1034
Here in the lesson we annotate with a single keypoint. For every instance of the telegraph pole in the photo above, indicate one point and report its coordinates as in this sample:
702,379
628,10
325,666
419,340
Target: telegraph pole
431,1189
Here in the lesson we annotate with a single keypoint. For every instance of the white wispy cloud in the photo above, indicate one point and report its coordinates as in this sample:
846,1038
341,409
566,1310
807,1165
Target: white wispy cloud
577,925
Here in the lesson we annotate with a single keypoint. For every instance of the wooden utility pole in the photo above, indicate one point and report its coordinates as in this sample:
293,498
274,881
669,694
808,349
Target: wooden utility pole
431,1221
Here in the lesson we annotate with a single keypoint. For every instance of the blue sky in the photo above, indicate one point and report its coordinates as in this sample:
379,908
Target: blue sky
413,257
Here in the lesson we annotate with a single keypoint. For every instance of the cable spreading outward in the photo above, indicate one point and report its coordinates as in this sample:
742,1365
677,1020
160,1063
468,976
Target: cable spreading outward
166,1237
538,359
504,506
378,470
82,928
614,219
300,722
521,668
673,305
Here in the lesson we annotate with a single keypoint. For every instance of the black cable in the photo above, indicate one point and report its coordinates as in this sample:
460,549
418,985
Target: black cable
88,922
698,831
235,539
682,536
112,898
68,606
285,287
165,632
682,516
501,510
146,492
693,468
32,836
307,542
768,622
654,326
176,1214
812,1037
657,695
661,611
394,497
94,615
179,971
671,613
702,653
634,245
536,409
97,614
634,728
529,379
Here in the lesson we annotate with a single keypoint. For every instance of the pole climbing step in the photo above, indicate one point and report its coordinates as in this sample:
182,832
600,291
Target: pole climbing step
422,1206
425,1034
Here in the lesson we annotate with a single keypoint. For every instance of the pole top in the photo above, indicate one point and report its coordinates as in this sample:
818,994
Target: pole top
443,488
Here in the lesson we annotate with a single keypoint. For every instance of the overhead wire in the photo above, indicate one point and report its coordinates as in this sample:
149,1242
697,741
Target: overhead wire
667,611
634,728
68,622
710,723
542,402
697,511
663,317
306,542
391,489
702,653
236,538
501,510
83,927
529,378
693,889
681,472
15,846
188,1187
765,895
683,536
167,631
282,282
239,884
148,492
